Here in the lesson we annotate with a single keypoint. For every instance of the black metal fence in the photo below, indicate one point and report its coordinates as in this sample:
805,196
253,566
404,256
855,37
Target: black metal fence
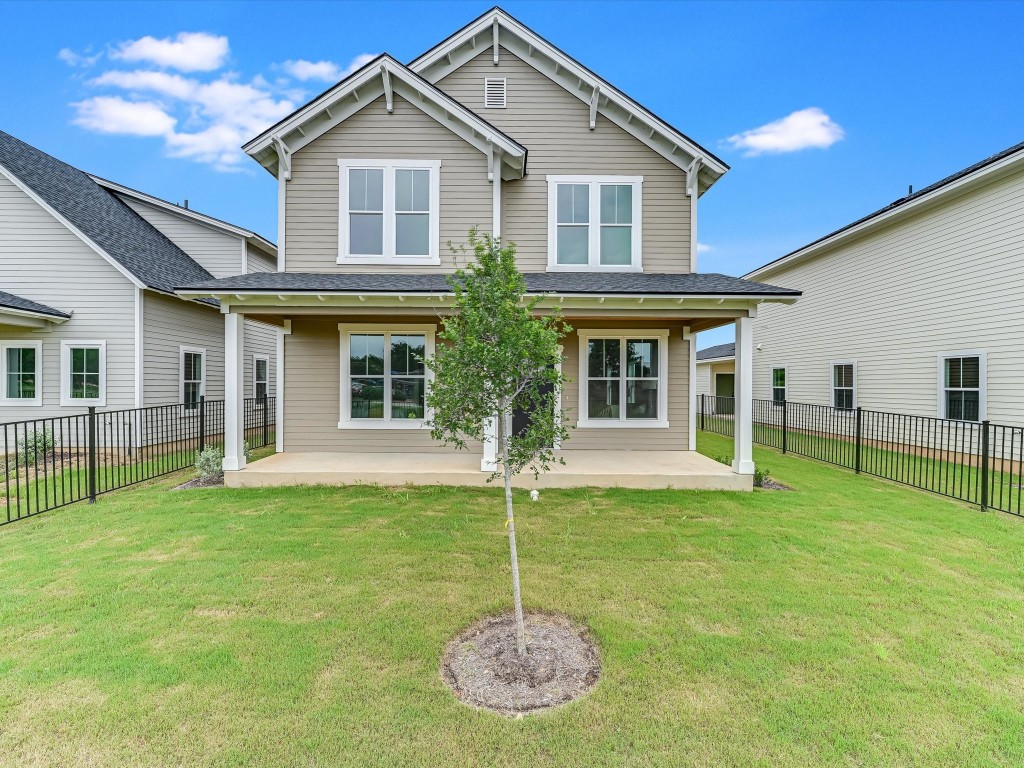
52,462
973,461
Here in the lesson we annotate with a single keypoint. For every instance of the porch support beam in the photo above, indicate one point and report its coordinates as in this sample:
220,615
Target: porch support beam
743,418
691,420
234,396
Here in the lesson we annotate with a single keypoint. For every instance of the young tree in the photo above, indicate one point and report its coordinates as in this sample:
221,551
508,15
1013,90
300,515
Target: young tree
499,357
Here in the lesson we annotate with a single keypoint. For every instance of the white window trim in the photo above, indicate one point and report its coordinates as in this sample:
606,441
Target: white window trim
182,351
265,358
389,167
982,382
832,387
65,373
583,421
345,421
771,382
594,227
21,401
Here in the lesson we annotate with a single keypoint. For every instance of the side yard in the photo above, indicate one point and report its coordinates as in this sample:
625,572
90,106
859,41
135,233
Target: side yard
850,622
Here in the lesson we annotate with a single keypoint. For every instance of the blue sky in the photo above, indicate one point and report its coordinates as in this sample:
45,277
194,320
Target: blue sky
901,93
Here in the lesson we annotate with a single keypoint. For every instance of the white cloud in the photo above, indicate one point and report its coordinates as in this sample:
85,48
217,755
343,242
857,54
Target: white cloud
188,52
75,59
142,80
704,248
803,129
326,71
112,114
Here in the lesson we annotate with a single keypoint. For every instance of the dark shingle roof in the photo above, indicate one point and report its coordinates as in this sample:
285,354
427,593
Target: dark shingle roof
704,284
27,305
904,200
98,214
722,350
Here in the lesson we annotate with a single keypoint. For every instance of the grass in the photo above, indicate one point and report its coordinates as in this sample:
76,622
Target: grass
852,622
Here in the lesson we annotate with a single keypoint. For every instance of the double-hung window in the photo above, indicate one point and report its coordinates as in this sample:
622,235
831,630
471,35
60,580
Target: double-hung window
384,376
389,211
192,376
962,386
83,368
594,223
623,379
260,376
844,385
778,385
21,365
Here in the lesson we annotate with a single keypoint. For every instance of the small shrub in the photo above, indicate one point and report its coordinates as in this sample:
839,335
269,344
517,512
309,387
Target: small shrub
210,463
37,444
761,476
247,451
727,460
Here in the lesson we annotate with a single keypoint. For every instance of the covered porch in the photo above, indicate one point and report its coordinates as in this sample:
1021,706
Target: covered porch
599,469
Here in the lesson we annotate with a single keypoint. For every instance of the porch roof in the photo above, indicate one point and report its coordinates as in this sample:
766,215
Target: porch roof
578,283
18,306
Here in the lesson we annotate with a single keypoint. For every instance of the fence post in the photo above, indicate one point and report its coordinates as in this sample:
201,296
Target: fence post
856,460
984,465
266,434
785,426
202,423
702,413
91,450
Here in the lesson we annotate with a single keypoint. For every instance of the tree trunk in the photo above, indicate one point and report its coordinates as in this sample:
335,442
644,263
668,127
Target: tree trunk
511,524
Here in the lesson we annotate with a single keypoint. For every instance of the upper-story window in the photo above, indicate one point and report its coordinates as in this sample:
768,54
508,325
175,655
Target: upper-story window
594,223
389,211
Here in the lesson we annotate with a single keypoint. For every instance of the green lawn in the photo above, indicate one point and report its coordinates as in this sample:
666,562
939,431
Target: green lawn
852,622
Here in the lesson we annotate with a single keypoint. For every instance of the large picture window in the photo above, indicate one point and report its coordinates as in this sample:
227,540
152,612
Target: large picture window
384,376
623,379
21,367
389,211
83,373
594,222
962,386
192,377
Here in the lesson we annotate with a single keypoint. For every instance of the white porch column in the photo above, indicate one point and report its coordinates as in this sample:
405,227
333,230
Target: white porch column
234,394
489,462
279,392
743,424
691,337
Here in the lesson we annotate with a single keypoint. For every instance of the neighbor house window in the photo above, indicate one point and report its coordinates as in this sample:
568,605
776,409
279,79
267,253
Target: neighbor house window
192,367
260,376
623,379
384,376
844,386
83,373
21,366
778,385
389,211
594,222
962,387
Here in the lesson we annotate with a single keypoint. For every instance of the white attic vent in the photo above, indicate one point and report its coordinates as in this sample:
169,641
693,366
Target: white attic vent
494,92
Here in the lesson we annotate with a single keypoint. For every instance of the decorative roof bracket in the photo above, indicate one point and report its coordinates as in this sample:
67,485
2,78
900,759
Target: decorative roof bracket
389,95
593,106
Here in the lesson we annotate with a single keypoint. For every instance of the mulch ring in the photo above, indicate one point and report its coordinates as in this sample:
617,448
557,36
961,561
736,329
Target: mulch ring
201,482
484,670
773,485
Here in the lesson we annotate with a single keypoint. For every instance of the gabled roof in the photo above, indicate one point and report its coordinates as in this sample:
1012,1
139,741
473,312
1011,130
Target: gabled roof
905,206
496,25
31,308
716,352
253,238
106,224
384,76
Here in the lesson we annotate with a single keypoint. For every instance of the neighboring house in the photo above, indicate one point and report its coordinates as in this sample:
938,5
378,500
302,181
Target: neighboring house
716,371
493,128
88,315
940,276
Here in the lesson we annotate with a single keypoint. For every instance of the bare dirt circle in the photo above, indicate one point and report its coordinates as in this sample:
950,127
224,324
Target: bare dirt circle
484,670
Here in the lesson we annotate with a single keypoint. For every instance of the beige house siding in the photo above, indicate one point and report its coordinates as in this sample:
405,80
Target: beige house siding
168,325
312,206
948,279
42,260
554,125
220,253
258,261
312,381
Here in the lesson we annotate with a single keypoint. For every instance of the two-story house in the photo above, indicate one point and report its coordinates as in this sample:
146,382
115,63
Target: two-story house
88,313
494,128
